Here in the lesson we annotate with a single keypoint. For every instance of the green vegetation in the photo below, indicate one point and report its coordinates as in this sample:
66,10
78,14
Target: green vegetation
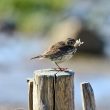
32,15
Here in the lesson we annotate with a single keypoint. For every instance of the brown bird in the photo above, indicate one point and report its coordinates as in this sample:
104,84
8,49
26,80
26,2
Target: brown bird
61,51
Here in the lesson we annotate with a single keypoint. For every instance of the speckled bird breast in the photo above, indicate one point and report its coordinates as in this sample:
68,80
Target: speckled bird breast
63,58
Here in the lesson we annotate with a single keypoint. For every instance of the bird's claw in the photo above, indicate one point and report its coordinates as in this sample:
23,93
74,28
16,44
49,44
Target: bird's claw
60,69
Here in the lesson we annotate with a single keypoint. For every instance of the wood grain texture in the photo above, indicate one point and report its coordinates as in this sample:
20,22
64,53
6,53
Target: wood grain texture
43,90
53,90
64,91
88,97
30,94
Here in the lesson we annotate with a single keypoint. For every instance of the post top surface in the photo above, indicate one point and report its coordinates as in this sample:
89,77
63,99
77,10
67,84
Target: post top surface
52,72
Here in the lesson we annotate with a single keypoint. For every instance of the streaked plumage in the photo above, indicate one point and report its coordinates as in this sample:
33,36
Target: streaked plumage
61,51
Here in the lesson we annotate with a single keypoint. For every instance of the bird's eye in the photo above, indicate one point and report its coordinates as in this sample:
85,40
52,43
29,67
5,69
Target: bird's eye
70,42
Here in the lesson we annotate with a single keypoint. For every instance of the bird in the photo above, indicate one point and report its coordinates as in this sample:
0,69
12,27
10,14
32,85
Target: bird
61,51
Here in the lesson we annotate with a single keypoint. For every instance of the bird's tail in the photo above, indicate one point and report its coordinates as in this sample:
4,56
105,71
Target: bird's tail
39,56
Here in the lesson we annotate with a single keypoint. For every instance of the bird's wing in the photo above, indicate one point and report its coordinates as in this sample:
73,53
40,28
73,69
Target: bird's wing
58,45
54,48
58,52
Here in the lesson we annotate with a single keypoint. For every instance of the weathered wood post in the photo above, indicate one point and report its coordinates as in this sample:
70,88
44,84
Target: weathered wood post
30,94
53,90
88,99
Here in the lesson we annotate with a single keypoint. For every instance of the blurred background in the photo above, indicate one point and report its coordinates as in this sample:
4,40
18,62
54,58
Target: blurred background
28,27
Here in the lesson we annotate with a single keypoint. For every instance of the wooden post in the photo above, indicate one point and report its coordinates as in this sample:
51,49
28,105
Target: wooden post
88,97
30,94
53,90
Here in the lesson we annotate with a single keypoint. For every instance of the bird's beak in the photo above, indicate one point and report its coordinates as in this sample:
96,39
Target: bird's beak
78,43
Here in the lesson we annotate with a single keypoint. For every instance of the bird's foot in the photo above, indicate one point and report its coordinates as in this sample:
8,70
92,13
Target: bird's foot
61,69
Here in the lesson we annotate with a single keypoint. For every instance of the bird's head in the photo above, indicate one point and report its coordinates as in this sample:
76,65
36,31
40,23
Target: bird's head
70,41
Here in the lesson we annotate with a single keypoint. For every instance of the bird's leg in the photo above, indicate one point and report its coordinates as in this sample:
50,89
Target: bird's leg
61,69
57,65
